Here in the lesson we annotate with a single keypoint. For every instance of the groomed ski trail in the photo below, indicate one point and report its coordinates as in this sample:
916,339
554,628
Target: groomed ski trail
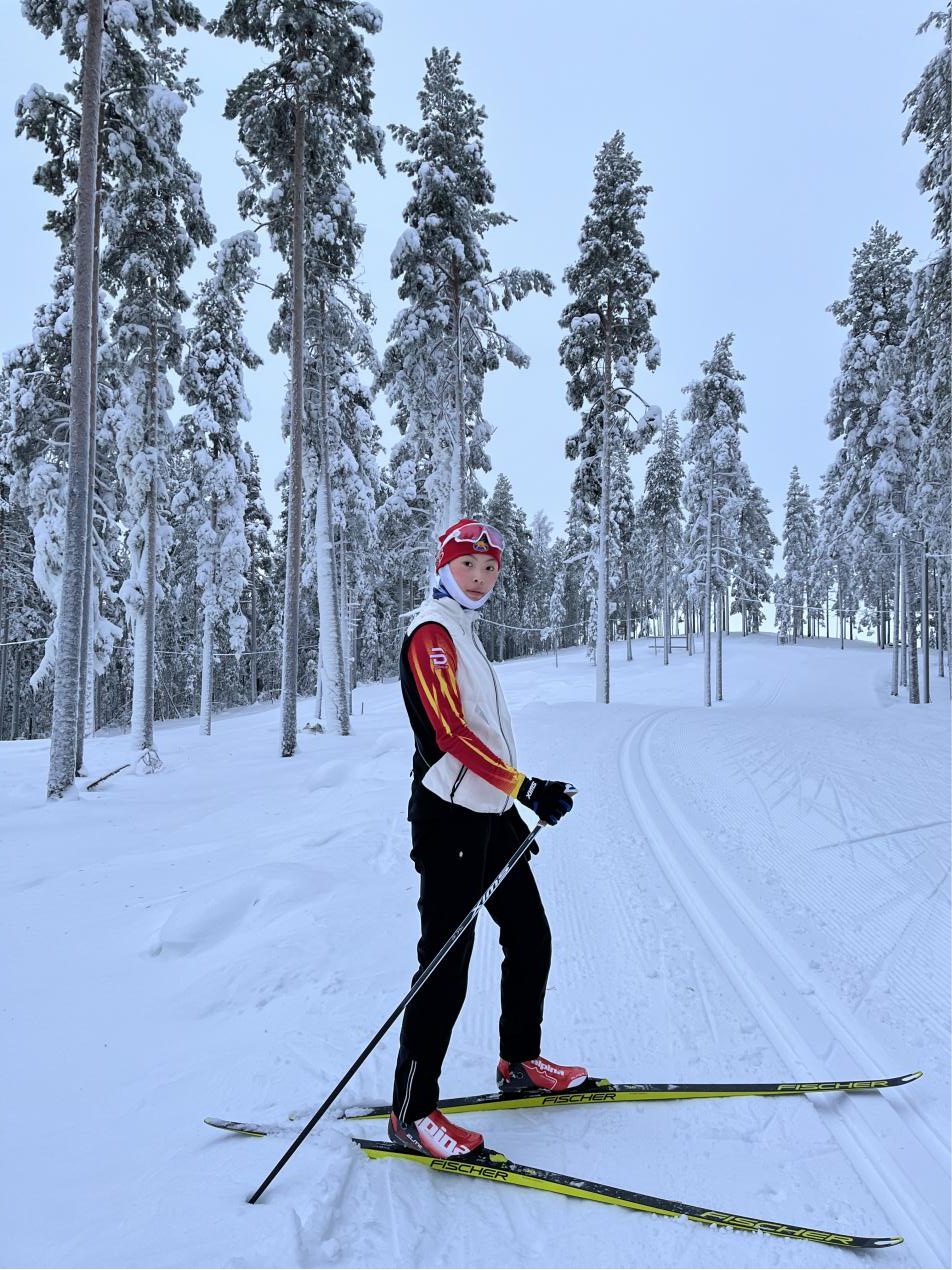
902,1160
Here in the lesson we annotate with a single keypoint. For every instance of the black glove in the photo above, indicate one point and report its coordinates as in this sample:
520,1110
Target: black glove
550,800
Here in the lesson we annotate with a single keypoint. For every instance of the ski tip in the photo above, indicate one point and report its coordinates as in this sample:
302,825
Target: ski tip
905,1080
235,1126
361,1112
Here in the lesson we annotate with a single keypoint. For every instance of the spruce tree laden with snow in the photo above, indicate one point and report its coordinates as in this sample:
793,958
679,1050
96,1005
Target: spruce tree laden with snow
299,116
712,482
752,583
929,333
557,607
133,70
799,547
212,384
608,324
541,582
661,508
262,599
65,719
154,222
445,341
869,416
505,616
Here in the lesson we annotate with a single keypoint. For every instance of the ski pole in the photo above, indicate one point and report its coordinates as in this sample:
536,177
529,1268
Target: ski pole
431,967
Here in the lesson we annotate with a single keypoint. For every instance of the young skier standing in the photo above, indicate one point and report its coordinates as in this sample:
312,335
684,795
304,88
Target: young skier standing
464,829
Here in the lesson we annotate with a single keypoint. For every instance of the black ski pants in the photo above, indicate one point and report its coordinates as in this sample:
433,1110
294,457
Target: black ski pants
457,853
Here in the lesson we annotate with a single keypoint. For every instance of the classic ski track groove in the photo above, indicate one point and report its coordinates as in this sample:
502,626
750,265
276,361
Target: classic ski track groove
911,1175
909,875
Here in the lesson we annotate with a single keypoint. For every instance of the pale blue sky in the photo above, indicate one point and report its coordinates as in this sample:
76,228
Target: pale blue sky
769,131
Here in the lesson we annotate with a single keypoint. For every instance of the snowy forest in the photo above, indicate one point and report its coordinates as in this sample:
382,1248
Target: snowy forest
142,577
659,292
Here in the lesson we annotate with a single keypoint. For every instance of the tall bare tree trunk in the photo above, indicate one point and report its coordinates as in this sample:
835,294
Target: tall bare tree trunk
911,626
897,601
208,625
337,716
4,640
143,688
628,652
319,683
720,621
253,659
939,620
347,634
925,625
602,675
15,721
289,660
65,718
707,591
85,658
664,597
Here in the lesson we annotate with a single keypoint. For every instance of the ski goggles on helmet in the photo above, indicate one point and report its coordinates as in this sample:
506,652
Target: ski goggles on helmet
474,532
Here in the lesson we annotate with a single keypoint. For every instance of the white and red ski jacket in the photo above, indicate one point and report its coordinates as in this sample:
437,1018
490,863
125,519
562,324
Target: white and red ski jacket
465,750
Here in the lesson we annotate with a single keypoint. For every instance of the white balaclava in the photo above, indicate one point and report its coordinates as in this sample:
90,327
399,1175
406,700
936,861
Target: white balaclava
449,584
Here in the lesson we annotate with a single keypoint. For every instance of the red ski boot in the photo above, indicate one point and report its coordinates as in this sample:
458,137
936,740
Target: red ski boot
538,1073
434,1135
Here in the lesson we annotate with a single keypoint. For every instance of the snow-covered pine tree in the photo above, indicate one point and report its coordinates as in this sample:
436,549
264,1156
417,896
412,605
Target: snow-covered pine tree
894,442
875,314
799,548
361,493
623,579
608,324
515,578
661,507
212,383
444,342
536,605
80,25
834,556
24,615
781,608
557,607
342,436
34,409
756,541
299,117
34,422
54,120
154,222
929,335
262,595
928,399
712,448
405,555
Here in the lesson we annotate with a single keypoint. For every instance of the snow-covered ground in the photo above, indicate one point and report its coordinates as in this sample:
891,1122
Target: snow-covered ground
759,891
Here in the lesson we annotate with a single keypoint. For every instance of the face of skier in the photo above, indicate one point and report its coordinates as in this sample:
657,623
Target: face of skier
476,575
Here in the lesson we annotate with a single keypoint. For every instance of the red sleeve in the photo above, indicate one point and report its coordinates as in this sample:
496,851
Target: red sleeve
433,661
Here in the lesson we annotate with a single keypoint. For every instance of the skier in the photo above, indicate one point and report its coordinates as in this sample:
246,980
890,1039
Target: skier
464,828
